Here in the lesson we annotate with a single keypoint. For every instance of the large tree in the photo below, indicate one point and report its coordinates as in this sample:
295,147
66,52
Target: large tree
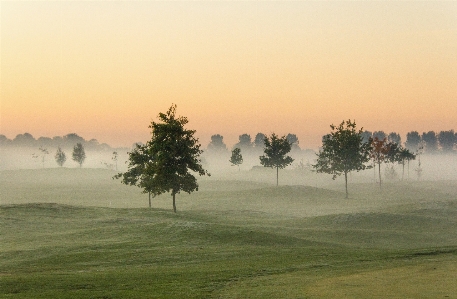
79,154
167,162
412,140
258,140
431,142
394,138
380,134
244,143
343,151
293,140
276,149
217,144
366,136
447,140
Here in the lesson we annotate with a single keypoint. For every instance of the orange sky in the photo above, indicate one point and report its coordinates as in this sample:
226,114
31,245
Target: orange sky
105,69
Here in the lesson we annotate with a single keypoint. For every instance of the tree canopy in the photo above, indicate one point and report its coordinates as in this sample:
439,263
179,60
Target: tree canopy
79,154
236,158
275,151
343,151
60,157
217,144
167,162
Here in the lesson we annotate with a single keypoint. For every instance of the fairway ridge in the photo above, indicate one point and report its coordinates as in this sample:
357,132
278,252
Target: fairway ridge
229,240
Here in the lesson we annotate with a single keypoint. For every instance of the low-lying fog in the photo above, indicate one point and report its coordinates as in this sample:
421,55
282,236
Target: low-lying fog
433,166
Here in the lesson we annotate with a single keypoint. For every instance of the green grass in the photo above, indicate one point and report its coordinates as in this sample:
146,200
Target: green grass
232,239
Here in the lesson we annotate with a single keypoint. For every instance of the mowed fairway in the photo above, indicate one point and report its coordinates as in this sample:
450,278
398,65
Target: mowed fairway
76,233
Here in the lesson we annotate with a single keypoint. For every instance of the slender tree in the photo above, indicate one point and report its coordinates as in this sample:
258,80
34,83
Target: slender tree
379,153
236,158
44,152
114,158
275,153
79,154
405,155
60,157
343,151
167,161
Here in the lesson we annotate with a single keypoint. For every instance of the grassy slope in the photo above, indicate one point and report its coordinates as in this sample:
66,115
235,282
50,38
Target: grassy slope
229,240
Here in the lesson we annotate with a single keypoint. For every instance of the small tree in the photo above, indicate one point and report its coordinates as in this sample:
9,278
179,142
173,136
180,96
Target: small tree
79,155
114,158
44,152
343,151
60,157
236,158
275,151
165,162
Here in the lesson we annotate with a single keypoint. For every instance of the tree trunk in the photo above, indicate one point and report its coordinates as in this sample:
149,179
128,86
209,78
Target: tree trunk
346,181
277,175
403,172
379,171
174,202
149,199
408,170
374,172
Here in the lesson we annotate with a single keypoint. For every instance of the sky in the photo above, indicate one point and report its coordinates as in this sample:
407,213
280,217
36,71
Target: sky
106,69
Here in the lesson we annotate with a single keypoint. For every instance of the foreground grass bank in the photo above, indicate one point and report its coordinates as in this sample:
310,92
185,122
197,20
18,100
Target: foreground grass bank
232,240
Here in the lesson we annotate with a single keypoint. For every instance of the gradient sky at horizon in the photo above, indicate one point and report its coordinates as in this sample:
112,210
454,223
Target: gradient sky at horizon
105,69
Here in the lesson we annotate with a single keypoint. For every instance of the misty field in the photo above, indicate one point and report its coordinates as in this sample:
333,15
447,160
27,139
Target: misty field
77,233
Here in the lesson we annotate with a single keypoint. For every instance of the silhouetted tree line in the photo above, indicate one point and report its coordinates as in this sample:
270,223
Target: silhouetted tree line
247,145
67,141
430,142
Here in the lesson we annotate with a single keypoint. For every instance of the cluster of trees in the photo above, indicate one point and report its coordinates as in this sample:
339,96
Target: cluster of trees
347,149
430,142
78,155
67,141
168,162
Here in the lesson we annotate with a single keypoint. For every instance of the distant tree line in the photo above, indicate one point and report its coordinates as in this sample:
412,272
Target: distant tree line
67,141
248,146
429,142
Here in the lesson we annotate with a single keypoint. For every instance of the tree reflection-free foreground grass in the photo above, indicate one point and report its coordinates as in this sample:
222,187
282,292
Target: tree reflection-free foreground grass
232,239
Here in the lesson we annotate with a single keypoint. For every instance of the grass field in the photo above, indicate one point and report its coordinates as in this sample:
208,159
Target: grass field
76,233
